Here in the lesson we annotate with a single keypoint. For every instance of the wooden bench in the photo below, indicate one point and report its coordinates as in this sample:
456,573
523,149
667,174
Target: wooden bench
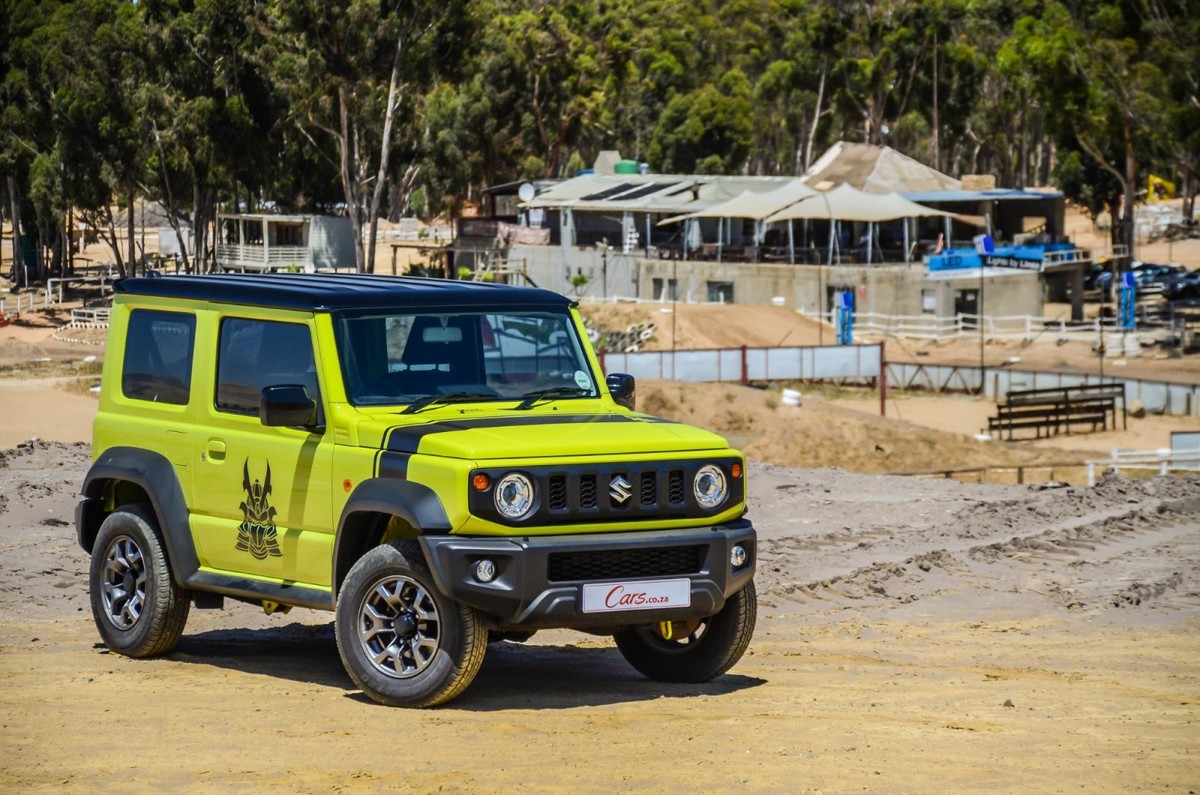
1059,410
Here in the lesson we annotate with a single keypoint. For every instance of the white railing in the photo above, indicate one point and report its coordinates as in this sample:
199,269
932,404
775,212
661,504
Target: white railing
1160,461
1066,255
14,305
237,255
1010,327
629,299
97,315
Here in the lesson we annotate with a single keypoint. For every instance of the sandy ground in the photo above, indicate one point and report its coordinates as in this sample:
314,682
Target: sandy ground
913,636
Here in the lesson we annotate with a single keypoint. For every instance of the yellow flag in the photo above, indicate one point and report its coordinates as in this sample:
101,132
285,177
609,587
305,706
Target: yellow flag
1159,189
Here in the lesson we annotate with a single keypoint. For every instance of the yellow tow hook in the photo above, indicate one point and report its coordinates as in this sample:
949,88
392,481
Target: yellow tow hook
271,607
666,629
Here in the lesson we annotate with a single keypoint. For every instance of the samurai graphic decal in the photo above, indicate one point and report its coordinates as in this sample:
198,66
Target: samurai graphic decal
256,533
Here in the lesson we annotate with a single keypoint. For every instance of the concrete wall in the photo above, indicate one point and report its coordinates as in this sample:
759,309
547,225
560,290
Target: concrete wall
886,289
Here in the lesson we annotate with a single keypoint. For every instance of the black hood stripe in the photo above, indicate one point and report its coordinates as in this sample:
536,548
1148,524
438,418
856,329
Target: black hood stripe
407,438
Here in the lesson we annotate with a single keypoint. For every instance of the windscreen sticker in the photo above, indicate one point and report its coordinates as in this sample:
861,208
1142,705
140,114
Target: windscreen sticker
582,380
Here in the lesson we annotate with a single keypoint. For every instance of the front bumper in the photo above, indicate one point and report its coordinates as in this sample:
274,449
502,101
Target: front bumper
523,595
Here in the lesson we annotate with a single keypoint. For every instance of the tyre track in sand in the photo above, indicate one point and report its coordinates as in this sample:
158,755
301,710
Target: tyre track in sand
1124,544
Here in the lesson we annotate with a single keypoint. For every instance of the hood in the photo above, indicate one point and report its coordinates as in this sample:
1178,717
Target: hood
542,434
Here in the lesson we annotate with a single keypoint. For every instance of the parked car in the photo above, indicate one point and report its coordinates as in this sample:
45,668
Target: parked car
440,464
1182,285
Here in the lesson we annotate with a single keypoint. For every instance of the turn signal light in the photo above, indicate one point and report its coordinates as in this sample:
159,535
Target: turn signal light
736,470
481,481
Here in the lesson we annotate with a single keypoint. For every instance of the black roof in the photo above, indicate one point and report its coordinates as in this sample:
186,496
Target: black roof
327,291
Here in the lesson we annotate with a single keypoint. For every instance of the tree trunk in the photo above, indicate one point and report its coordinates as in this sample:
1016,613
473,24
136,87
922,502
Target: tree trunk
19,275
114,243
348,187
1189,196
1129,184
172,218
812,134
385,148
202,194
132,242
937,155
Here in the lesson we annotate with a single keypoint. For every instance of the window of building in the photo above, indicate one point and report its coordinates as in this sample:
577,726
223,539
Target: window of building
720,292
670,294
158,356
253,354
928,301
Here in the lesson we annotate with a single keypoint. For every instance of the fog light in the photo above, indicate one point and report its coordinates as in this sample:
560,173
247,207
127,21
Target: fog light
737,556
485,570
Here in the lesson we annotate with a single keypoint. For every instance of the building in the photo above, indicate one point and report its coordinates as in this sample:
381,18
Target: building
258,242
713,238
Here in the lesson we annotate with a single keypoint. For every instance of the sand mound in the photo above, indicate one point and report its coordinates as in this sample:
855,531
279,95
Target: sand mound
819,434
697,326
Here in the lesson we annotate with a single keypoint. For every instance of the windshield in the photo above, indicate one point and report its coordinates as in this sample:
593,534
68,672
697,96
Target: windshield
400,357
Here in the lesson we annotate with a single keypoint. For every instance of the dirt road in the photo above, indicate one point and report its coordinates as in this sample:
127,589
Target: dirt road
913,636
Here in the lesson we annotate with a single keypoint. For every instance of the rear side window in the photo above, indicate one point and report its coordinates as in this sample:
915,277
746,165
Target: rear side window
158,356
257,353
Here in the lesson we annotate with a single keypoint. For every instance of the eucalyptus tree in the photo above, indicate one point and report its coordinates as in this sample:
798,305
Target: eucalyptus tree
350,71
210,114
1090,62
70,131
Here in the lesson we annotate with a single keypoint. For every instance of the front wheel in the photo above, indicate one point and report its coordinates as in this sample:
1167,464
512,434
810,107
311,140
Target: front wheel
693,651
401,641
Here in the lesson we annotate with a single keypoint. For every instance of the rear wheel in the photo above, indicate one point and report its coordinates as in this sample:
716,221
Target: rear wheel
693,651
137,607
401,641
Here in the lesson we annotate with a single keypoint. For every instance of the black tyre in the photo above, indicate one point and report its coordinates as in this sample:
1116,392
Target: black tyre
138,608
401,641
697,651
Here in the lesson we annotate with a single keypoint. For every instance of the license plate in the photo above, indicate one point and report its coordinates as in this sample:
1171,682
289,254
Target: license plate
613,597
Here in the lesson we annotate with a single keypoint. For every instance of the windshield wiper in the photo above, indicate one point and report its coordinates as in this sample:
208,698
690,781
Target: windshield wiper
538,394
453,397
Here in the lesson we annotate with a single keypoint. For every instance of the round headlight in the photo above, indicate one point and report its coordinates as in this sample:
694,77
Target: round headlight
709,486
514,496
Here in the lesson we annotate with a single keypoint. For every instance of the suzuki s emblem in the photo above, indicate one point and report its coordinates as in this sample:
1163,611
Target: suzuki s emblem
620,489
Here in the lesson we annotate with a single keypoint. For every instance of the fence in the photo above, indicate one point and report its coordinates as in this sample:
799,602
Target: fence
238,255
1160,461
1009,327
85,320
1159,397
14,305
864,363
743,365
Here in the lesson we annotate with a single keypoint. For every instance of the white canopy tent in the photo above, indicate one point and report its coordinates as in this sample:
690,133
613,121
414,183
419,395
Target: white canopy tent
845,203
755,205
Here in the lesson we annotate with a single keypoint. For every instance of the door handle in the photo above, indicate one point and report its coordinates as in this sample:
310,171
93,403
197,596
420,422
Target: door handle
216,450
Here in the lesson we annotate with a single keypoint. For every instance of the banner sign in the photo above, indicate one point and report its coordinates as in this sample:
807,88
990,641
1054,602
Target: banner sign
1009,261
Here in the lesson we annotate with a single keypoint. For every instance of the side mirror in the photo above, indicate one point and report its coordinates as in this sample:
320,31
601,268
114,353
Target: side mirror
623,389
287,405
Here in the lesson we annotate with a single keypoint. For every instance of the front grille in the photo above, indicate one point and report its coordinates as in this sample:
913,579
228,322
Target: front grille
558,493
587,491
675,491
649,488
623,564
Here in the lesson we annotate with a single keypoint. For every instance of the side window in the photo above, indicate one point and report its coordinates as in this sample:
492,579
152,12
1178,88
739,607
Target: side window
158,356
256,353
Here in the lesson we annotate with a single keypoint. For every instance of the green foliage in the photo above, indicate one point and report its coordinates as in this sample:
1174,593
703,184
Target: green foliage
225,102
705,131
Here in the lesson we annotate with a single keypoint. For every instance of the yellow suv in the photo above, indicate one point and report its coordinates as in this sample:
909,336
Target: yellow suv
440,463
